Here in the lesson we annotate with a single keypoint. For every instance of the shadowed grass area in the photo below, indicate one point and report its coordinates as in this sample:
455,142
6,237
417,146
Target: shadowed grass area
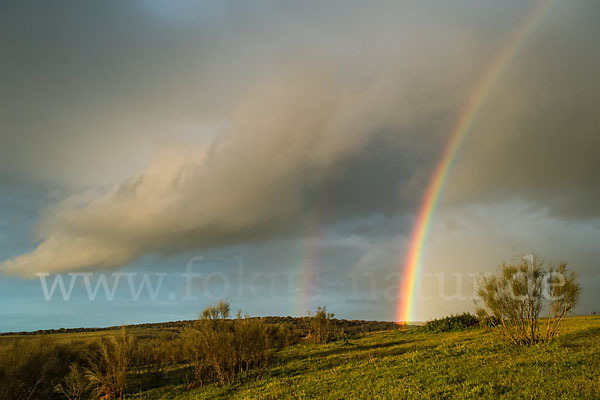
413,363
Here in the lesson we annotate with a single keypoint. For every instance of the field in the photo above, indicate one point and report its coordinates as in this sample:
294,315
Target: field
407,363
415,364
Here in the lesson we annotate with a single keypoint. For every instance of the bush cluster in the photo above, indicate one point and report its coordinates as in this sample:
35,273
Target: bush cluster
452,323
214,349
218,348
29,369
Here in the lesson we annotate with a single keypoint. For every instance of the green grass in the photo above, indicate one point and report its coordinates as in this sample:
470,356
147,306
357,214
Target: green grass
413,364
62,338
416,364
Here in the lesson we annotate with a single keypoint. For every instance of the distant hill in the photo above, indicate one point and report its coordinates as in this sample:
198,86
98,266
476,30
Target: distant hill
350,327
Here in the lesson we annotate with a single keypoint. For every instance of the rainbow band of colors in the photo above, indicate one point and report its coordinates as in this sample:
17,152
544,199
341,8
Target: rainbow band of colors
470,110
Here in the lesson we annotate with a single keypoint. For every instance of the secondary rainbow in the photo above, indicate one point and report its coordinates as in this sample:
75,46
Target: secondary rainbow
470,110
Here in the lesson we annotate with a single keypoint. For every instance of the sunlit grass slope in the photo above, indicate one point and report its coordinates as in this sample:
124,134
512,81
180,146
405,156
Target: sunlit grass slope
415,364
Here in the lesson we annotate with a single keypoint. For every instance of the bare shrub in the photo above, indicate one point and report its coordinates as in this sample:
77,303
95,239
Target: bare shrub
563,292
195,354
74,384
108,366
211,345
219,348
516,296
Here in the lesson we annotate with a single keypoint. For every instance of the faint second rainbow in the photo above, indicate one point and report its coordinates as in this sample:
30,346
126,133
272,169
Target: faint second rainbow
476,99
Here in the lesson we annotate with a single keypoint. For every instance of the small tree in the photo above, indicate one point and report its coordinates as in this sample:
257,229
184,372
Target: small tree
321,327
515,298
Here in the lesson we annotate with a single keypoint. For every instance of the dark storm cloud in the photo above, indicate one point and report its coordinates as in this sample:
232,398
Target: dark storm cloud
538,138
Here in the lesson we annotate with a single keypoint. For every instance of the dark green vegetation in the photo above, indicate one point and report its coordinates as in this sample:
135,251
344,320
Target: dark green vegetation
452,323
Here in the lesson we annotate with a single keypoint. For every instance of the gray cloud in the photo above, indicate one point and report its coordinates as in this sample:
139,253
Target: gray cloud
227,124
537,138
291,135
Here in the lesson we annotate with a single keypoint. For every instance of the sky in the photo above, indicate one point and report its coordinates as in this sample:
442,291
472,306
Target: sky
276,154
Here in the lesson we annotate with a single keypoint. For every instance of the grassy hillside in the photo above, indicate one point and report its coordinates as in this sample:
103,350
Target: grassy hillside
417,364
391,364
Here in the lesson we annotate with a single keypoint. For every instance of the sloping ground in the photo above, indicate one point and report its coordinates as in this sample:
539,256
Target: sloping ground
351,327
415,364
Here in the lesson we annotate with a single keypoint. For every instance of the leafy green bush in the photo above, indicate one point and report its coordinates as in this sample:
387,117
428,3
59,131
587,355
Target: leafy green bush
452,323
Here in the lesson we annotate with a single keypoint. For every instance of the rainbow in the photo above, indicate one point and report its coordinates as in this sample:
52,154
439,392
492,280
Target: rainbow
469,112
308,275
